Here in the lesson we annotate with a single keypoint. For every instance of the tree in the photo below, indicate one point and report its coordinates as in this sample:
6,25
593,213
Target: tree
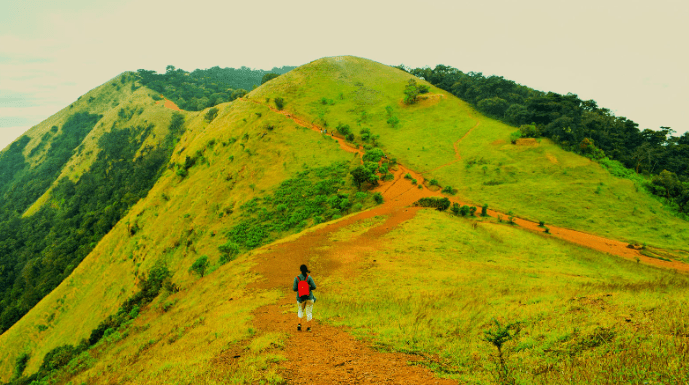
269,76
493,106
361,175
200,265
211,114
411,92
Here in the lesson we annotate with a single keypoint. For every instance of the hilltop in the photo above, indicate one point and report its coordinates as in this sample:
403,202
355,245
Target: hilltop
246,175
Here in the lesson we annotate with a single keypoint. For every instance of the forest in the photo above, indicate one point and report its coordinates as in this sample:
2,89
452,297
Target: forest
37,252
576,125
200,89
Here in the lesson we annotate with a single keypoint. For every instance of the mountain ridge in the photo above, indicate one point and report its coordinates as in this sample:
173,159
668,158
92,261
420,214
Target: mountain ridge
234,158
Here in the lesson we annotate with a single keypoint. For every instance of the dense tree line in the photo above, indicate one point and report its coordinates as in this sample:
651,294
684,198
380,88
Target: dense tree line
37,252
201,89
576,125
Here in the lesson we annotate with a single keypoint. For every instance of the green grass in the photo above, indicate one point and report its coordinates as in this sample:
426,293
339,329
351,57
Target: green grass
586,317
180,220
537,183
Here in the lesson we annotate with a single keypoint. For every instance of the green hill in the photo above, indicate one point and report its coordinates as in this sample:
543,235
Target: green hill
232,184
540,182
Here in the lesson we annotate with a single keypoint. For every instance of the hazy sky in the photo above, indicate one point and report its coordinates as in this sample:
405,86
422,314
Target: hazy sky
630,56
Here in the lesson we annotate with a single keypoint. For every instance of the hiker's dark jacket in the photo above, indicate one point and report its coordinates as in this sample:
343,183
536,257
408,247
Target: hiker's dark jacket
312,286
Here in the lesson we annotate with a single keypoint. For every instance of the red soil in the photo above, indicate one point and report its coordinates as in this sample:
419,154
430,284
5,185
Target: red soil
329,355
167,103
413,193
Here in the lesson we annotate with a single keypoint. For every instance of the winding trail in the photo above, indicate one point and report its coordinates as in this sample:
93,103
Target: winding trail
458,157
328,354
400,185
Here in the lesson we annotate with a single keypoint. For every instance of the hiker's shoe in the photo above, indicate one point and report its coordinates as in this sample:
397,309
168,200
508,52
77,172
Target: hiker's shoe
308,329
299,327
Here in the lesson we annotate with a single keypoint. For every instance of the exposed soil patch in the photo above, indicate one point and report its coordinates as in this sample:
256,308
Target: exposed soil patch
167,103
551,158
526,142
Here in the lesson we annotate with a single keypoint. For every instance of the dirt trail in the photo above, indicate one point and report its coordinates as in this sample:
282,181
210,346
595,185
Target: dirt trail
458,157
400,185
330,355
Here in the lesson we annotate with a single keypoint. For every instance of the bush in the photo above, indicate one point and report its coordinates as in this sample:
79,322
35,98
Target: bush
378,197
455,208
373,155
200,266
211,114
57,358
350,137
514,136
433,182
441,204
393,121
449,190
268,77
20,365
229,248
484,210
343,129
279,103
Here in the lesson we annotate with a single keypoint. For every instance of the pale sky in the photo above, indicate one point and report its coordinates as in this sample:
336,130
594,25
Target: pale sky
630,56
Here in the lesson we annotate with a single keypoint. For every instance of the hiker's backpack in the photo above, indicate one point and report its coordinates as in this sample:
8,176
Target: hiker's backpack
303,288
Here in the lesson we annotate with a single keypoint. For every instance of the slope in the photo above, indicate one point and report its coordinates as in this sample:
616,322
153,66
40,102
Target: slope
213,182
230,175
445,139
69,180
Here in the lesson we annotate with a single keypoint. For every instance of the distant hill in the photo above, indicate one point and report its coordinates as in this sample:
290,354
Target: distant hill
201,89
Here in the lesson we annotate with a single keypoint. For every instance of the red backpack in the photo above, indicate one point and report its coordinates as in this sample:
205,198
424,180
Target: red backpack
303,288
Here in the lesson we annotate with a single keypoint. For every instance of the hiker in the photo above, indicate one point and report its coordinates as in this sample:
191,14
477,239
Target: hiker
304,286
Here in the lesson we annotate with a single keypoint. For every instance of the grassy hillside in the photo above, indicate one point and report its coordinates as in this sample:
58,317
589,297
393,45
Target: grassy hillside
540,182
439,283
69,180
241,176
182,219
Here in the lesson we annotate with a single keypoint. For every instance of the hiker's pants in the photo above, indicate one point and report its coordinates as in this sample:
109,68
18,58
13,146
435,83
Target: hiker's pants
305,305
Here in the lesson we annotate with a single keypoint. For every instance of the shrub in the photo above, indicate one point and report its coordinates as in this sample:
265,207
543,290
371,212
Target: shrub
350,137
57,358
229,248
449,190
455,208
343,129
200,266
541,223
440,204
268,77
20,364
433,182
411,92
279,103
365,134
498,336
393,121
514,136
408,176
378,197
211,114
373,155
484,210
